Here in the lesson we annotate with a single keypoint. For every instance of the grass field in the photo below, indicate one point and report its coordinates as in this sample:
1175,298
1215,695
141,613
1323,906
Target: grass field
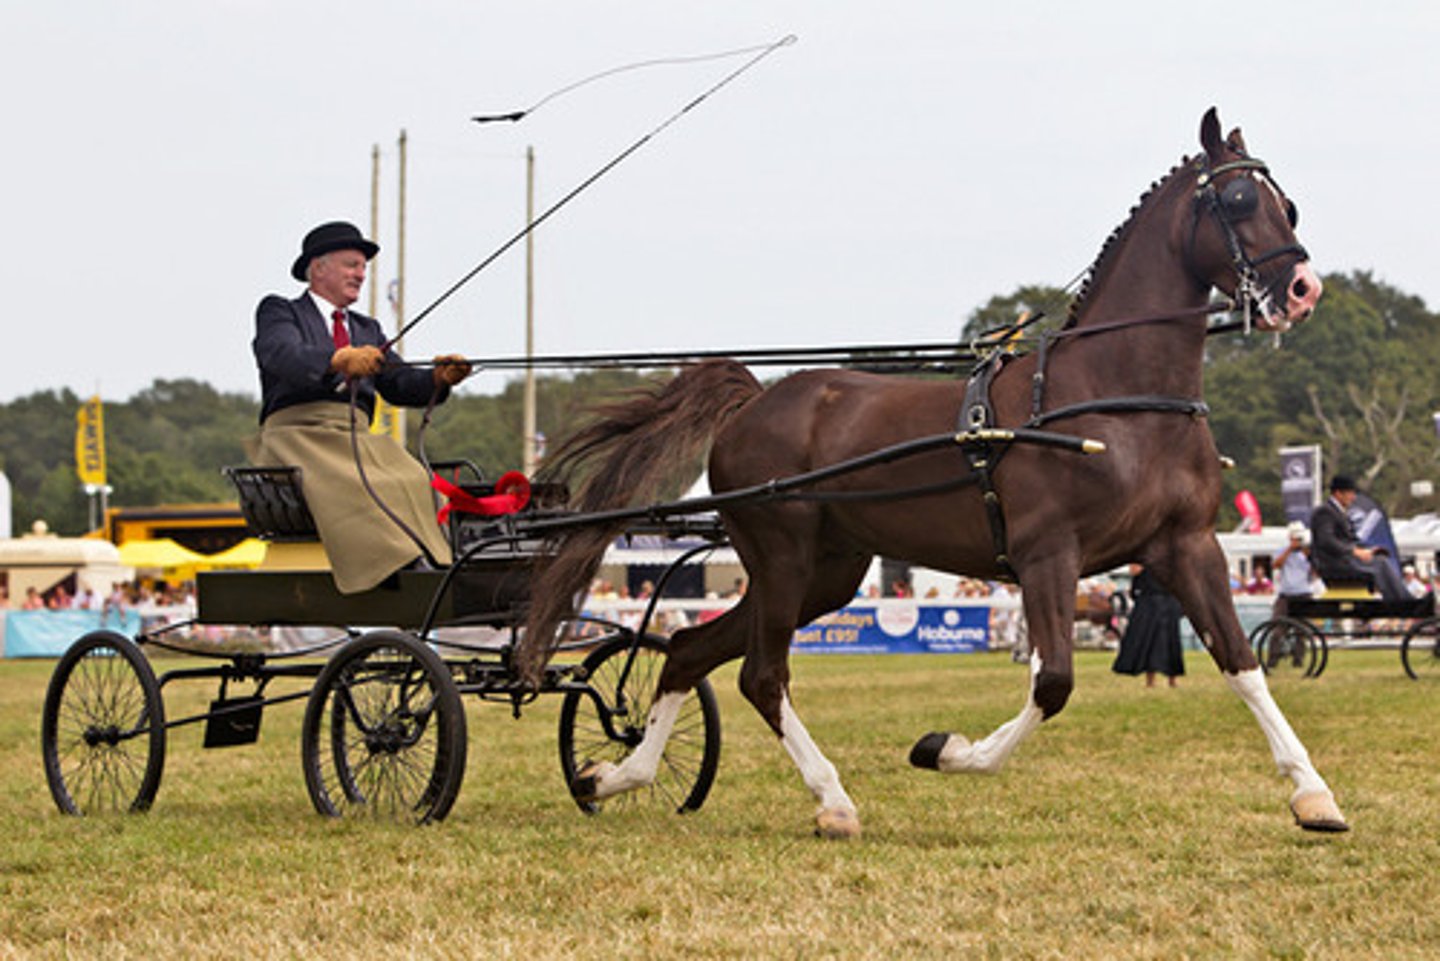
1138,824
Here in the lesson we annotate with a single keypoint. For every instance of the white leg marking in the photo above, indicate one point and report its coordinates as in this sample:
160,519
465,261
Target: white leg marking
638,770
816,770
989,755
1290,755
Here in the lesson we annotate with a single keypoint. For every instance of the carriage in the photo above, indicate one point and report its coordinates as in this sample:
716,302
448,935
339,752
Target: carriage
384,730
1299,641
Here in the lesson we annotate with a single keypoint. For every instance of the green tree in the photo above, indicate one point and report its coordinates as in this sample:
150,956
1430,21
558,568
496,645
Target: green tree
1356,378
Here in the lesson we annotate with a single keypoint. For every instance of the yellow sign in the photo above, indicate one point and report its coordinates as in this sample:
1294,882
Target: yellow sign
388,419
90,442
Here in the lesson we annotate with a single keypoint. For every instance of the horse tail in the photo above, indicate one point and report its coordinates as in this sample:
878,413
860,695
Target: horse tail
632,452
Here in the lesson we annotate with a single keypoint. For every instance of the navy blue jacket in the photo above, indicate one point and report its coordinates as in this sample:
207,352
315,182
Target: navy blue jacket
293,346
1332,544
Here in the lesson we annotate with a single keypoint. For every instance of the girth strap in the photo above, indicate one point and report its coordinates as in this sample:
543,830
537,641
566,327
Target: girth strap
977,414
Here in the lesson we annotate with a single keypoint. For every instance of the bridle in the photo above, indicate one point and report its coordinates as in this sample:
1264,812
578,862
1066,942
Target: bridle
1230,204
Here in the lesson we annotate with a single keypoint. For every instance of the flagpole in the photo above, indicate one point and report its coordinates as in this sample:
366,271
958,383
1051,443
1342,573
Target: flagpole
400,282
528,458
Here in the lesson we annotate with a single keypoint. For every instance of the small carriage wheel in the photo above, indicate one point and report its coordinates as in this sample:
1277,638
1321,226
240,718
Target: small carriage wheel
623,698
102,732
1420,650
384,732
1288,645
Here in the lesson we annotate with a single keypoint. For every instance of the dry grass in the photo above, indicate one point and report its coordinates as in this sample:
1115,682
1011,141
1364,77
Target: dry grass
1139,824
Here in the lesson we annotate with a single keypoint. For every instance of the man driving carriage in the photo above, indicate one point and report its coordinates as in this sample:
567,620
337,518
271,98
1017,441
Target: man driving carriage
1336,549
311,350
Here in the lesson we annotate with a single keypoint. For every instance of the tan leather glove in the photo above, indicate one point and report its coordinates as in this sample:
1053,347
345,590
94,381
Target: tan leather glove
450,369
357,361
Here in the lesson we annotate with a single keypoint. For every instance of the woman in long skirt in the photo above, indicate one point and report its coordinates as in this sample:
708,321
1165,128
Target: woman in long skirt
1151,643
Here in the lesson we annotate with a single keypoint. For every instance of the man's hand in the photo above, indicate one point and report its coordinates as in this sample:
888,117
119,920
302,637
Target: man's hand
450,369
1365,554
357,361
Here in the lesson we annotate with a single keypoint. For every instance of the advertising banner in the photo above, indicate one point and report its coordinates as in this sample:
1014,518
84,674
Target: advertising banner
388,419
1300,481
90,442
50,633
897,626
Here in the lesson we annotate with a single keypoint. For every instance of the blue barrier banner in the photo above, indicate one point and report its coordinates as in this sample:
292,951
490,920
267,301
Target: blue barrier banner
897,627
49,633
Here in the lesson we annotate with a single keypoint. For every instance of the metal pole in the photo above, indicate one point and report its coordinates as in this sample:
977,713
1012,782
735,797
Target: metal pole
528,428
374,224
399,344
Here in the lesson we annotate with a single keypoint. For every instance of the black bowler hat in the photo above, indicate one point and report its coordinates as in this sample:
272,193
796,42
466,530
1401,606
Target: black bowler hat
1341,482
326,238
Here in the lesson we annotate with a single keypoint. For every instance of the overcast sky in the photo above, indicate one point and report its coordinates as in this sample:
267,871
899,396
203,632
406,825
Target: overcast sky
875,181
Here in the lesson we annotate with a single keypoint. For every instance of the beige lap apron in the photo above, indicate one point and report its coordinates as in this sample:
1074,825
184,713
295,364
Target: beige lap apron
364,545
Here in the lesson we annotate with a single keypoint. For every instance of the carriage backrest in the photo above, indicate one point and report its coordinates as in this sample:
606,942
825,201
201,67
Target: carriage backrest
273,503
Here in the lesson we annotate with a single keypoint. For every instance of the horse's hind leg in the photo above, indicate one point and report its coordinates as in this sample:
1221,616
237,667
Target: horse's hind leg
1049,593
693,653
764,680
1196,573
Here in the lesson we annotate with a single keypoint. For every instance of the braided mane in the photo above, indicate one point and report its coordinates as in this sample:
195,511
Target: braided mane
1072,316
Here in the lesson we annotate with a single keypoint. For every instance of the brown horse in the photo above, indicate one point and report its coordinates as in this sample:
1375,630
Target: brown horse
1125,370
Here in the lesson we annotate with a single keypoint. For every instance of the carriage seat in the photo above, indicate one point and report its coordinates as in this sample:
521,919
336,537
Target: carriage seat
272,501
293,584
1355,598
1350,590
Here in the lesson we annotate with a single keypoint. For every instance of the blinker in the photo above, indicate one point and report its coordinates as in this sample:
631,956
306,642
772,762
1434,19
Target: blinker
1240,198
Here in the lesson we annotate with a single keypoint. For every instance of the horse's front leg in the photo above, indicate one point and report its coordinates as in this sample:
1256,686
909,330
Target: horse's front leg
765,682
1196,574
1049,597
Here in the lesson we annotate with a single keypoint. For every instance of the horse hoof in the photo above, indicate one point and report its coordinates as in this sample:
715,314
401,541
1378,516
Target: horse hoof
586,784
1317,811
837,824
926,752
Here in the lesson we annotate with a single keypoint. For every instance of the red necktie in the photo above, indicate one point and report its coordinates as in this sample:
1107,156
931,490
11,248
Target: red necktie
338,332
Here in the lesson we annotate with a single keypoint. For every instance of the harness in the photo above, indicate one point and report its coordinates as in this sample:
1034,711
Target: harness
1238,200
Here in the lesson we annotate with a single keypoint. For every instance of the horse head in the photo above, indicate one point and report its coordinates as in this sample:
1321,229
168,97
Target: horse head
1242,238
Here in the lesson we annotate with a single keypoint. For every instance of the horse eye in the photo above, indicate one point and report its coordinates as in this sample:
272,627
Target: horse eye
1292,213
1240,198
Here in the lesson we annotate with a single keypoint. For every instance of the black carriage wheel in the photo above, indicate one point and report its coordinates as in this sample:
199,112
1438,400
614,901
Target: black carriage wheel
1288,646
692,755
1420,650
384,732
102,732
1321,646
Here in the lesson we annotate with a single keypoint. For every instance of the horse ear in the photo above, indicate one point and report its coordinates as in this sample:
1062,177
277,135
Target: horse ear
1236,142
1210,134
